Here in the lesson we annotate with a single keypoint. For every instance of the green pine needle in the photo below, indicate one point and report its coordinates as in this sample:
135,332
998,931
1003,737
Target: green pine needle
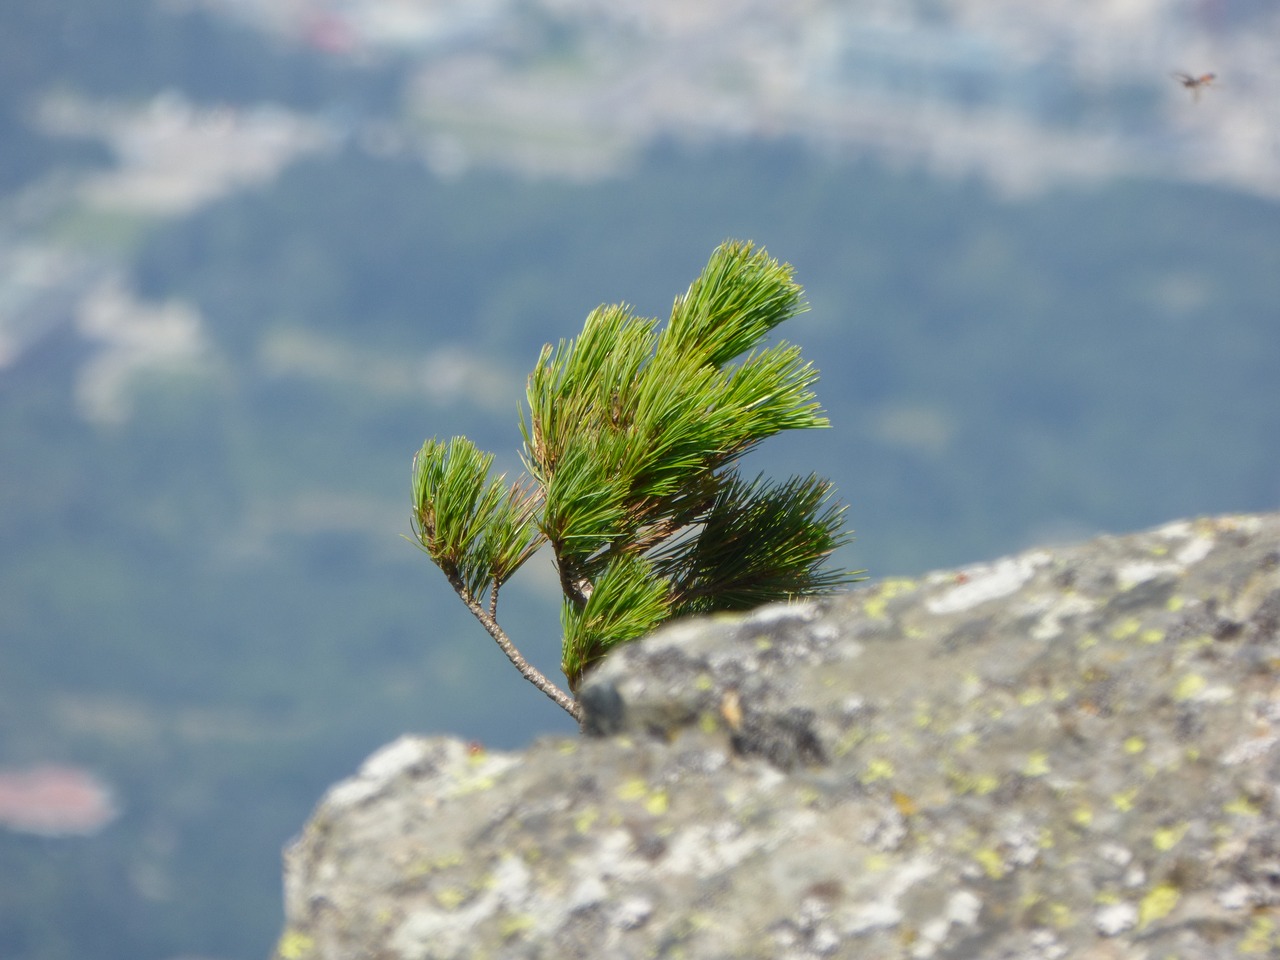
632,437
739,298
477,530
759,543
627,602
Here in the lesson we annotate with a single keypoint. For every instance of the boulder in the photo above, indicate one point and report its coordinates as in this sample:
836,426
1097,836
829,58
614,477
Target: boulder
1071,752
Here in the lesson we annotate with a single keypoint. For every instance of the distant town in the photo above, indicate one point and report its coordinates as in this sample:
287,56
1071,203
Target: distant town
1020,99
1020,95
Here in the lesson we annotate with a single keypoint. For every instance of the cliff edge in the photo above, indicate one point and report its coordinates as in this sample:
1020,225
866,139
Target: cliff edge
1071,752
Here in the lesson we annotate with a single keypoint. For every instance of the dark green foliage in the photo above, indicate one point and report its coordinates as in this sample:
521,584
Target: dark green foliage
630,443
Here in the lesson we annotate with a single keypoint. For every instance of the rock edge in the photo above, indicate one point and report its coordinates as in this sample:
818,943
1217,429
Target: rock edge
1068,752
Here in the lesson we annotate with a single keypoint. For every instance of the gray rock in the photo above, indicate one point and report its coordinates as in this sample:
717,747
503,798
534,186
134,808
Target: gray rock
1071,752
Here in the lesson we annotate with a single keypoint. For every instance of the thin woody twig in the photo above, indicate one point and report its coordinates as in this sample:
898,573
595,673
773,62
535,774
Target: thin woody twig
528,670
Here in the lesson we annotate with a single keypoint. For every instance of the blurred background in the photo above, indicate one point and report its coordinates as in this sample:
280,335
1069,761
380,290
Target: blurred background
254,252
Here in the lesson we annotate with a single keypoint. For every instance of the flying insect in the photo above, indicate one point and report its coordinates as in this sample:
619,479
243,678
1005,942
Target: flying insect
1195,83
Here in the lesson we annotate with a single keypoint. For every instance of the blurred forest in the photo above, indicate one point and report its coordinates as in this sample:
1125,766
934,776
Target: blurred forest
209,603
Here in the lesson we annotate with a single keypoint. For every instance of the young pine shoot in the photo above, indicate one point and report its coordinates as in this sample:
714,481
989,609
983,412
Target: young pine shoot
631,446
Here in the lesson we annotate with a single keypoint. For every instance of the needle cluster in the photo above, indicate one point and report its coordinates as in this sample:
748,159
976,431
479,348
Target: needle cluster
632,439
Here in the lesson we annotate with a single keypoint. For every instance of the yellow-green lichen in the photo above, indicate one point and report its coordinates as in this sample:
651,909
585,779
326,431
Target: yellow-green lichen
1037,764
965,742
1126,628
585,818
450,897
655,801
1158,904
877,607
1166,838
1046,913
978,784
633,789
847,742
1196,643
1123,801
1060,916
1241,806
1260,938
878,768
428,865
1189,686
294,945
991,861
808,796
514,924
875,863
1134,745
474,785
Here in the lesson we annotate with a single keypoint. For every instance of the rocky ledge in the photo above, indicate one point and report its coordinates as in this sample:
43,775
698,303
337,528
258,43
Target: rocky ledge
1071,752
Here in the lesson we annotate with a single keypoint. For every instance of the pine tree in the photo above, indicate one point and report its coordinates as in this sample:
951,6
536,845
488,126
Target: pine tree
631,446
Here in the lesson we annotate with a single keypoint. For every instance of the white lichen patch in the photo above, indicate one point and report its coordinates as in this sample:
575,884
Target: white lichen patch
882,907
1177,530
800,611
962,910
1052,619
704,850
378,771
1115,918
1130,575
631,912
1250,750
989,582
1194,551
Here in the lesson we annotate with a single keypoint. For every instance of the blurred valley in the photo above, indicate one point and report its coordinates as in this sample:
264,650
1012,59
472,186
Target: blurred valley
253,253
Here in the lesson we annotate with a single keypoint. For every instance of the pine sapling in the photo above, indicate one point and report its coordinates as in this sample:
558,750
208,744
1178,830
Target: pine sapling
632,441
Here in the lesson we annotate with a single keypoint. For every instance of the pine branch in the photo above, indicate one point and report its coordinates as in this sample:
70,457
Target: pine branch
632,437
479,535
758,542
628,601
527,670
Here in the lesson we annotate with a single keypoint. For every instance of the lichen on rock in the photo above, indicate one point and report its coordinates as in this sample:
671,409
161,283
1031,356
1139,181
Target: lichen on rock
1070,752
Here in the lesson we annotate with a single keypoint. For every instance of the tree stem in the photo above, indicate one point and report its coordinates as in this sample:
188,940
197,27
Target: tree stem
528,670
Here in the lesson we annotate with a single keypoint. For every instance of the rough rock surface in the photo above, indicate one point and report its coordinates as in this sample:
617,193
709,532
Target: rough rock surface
1071,752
